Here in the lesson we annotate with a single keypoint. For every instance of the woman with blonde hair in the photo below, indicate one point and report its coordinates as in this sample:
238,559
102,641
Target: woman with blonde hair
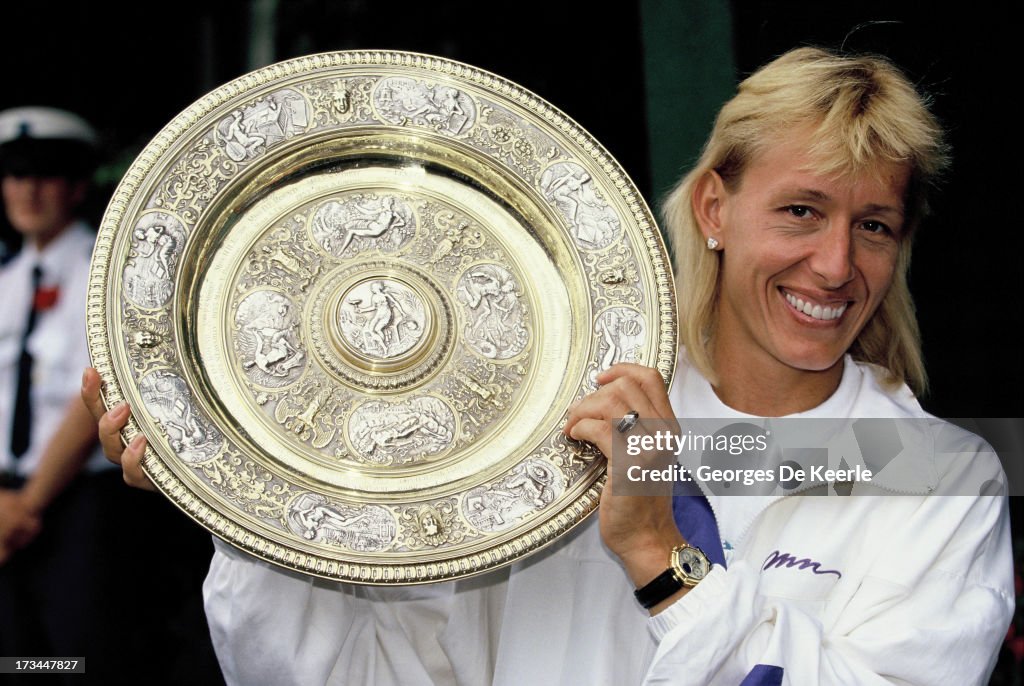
792,237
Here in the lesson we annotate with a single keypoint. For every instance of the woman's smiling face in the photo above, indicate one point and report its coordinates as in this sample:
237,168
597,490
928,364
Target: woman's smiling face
807,258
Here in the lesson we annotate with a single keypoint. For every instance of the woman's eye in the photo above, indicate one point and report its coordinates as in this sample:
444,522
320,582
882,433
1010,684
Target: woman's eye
875,227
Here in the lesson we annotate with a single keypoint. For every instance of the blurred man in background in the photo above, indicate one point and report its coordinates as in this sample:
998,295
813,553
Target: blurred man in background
51,477
69,528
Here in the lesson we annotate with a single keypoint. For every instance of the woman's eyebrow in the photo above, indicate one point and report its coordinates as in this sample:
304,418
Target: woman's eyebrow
812,193
787,194
874,207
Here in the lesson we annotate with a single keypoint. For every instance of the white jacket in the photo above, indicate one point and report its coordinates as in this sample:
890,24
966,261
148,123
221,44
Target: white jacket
871,588
924,597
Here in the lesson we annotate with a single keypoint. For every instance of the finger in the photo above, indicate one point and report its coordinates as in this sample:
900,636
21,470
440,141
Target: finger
649,379
631,398
91,393
611,402
598,405
110,426
110,423
628,369
131,465
596,431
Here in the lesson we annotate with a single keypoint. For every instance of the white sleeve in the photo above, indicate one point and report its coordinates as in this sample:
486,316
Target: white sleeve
933,610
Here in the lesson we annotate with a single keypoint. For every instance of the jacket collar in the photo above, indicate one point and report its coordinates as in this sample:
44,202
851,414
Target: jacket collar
847,418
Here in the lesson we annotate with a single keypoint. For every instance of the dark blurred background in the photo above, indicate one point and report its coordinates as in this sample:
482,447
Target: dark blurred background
644,77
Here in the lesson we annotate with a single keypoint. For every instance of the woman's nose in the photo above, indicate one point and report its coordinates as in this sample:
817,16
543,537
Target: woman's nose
832,259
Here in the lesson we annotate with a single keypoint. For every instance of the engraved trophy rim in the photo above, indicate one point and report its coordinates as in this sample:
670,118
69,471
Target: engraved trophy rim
350,296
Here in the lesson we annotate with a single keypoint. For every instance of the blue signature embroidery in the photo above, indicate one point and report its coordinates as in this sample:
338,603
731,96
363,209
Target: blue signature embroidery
780,559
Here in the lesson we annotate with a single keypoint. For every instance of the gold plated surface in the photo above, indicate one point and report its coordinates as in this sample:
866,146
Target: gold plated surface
350,298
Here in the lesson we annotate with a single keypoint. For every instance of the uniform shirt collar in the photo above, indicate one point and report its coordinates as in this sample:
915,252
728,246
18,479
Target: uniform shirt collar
54,258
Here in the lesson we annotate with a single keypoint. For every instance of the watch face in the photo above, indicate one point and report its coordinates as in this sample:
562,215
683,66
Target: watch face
693,564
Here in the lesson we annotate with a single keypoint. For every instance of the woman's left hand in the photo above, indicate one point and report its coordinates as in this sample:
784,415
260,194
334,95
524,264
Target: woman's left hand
638,528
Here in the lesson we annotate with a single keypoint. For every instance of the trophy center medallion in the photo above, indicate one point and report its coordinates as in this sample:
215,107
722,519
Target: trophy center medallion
381,326
382,321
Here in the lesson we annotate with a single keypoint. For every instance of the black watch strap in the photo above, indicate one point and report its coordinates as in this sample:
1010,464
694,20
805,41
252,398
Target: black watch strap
661,587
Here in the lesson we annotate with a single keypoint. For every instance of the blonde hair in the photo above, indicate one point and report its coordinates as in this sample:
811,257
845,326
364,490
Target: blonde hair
862,112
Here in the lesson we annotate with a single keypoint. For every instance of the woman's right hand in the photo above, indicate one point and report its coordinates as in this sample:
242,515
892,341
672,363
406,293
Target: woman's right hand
639,528
110,424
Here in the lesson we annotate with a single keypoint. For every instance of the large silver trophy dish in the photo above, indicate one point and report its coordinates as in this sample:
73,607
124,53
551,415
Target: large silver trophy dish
350,298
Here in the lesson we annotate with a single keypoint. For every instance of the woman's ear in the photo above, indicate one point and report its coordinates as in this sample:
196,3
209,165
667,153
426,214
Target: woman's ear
708,199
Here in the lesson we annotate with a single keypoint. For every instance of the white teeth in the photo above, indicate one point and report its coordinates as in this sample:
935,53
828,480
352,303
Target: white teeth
816,311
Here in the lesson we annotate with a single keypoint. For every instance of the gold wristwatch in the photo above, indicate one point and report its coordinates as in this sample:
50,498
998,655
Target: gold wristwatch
688,565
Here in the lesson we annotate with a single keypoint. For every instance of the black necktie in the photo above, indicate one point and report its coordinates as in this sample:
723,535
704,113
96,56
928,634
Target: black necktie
21,427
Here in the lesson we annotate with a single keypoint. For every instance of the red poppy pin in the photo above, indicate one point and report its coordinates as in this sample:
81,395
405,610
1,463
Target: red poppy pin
46,297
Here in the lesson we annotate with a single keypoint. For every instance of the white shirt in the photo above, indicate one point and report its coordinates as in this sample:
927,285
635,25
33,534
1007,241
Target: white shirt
58,342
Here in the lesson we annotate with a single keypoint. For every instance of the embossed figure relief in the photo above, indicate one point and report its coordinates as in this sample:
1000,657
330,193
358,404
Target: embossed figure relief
340,98
621,336
308,413
148,339
614,275
481,397
496,318
157,241
511,138
278,262
368,528
267,339
432,526
458,236
429,523
340,101
250,130
480,392
382,318
363,222
533,485
397,433
571,190
442,108
169,401
244,482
